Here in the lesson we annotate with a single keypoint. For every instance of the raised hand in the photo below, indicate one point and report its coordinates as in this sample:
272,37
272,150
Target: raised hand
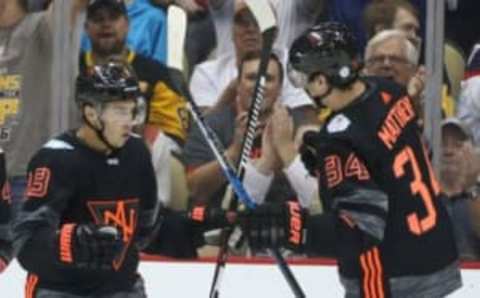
283,134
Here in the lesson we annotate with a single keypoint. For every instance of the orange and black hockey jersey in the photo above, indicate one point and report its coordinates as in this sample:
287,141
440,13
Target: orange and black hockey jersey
393,235
70,183
167,110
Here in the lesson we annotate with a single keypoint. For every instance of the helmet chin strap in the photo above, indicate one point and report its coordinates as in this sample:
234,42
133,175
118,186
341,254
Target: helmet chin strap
320,98
101,134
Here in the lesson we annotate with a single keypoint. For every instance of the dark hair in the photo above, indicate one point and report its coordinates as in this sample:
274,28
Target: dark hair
378,15
381,14
256,55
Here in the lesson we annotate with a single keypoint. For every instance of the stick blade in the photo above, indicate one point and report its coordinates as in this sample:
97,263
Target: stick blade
176,33
263,12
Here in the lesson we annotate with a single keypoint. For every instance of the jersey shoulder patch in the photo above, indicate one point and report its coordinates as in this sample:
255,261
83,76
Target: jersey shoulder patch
338,123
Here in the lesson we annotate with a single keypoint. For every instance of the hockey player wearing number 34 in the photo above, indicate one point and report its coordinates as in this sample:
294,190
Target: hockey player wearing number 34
91,201
392,234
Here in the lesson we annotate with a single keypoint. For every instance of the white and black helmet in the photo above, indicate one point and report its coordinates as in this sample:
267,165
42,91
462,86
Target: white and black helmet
327,48
108,82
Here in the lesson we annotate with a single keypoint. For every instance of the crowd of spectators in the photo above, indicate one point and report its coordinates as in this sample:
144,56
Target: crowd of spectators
222,50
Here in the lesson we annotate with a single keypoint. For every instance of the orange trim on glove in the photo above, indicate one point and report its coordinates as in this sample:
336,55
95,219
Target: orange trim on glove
66,232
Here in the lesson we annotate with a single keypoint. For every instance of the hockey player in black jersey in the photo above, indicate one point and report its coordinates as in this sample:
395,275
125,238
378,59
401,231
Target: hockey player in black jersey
5,206
392,235
91,202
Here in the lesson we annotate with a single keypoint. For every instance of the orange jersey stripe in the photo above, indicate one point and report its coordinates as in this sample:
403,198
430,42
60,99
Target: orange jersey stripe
32,281
366,276
373,276
379,270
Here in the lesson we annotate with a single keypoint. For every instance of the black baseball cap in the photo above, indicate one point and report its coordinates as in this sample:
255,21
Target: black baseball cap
117,5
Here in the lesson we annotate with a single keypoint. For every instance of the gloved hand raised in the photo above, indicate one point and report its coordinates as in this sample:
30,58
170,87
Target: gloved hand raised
89,246
275,225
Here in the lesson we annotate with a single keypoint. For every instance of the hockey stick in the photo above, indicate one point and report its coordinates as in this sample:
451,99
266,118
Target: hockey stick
177,23
177,27
267,24
266,21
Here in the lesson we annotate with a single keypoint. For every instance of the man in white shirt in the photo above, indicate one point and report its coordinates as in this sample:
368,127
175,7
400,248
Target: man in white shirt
293,17
274,171
210,79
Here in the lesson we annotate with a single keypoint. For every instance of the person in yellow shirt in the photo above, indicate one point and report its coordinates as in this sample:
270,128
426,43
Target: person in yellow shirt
107,25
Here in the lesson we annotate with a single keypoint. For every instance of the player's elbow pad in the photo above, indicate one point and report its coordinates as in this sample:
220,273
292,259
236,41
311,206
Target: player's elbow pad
365,209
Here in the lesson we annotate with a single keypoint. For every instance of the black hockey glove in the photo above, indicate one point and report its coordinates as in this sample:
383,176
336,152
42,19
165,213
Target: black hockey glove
275,225
209,218
309,153
5,255
89,246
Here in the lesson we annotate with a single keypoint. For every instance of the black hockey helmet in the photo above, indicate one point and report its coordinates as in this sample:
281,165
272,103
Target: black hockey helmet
327,48
113,81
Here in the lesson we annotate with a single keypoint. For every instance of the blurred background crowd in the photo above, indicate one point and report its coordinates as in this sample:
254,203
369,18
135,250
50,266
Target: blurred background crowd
44,44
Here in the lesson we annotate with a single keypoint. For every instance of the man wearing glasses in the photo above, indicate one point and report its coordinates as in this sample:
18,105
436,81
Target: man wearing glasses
390,54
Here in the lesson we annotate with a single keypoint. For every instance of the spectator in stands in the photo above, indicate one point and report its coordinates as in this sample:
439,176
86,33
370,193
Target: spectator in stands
147,33
210,79
350,13
395,14
26,41
273,172
167,118
293,17
459,169
469,106
473,63
391,55
403,16
107,26
469,100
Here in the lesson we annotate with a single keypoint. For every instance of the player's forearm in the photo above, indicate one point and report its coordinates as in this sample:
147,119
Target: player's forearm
305,186
256,182
149,225
39,253
169,243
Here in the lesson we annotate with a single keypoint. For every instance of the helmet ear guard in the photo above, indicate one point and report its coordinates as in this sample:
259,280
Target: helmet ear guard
140,114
